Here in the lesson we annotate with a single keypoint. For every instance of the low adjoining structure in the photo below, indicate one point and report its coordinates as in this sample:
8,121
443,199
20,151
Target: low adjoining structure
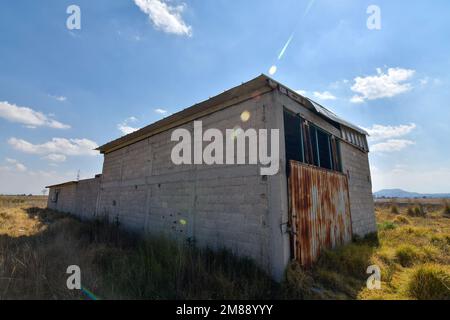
319,198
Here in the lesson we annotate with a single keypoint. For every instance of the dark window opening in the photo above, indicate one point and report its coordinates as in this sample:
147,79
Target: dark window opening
323,145
55,196
309,144
293,136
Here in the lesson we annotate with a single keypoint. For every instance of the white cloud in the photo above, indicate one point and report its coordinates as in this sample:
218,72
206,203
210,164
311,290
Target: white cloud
165,17
357,99
302,92
379,132
324,95
28,117
58,98
382,85
125,128
14,165
54,157
61,146
391,145
161,111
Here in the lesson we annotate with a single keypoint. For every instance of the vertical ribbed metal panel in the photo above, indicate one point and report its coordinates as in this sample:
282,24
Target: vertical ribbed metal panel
319,211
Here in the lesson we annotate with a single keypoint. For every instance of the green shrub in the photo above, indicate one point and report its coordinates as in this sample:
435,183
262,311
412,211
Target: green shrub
386,225
429,282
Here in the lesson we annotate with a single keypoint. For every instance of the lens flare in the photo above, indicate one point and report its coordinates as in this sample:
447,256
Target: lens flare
273,70
245,116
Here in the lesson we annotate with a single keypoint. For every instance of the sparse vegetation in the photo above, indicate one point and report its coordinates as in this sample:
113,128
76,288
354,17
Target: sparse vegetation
37,245
394,209
429,282
447,209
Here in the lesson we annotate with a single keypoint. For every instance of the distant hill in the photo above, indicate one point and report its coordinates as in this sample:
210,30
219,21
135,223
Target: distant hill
399,193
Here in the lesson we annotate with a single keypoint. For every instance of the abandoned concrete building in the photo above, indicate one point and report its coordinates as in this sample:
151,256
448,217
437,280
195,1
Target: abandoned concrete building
320,197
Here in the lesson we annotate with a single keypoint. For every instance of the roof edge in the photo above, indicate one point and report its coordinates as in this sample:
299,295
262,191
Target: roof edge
254,87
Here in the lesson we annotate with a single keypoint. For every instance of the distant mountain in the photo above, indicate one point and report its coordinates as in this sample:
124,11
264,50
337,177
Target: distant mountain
399,193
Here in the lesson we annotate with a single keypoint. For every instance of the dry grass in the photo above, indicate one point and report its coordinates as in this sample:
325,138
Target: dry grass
37,246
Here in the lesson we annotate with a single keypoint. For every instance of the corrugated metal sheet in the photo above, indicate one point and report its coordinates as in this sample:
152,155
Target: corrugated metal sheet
319,211
330,115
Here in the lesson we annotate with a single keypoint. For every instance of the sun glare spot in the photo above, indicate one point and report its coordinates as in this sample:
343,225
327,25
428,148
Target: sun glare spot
273,70
245,116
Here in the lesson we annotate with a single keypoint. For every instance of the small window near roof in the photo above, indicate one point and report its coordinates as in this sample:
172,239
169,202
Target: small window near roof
55,196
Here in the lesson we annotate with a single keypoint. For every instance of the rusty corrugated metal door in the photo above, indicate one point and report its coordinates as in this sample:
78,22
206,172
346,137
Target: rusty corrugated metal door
319,211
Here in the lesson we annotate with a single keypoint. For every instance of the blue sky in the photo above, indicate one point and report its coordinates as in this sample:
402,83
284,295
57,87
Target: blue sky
62,92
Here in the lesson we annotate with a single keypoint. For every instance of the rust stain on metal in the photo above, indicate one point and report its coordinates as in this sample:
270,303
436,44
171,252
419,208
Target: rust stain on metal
319,211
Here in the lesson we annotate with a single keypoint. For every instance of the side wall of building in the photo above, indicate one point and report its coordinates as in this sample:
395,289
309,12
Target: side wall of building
219,206
65,200
86,198
78,198
355,164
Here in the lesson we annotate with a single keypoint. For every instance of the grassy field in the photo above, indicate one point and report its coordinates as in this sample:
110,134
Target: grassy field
37,245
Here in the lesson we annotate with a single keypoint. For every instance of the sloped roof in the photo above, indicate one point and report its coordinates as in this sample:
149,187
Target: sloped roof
248,90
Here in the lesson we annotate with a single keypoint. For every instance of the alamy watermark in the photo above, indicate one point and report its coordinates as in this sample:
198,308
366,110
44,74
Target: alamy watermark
73,22
374,281
374,20
74,280
227,150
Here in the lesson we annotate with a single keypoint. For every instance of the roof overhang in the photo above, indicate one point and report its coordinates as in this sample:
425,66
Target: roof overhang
62,184
248,90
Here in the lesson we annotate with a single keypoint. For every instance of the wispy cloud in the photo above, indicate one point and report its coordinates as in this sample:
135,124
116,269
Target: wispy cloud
54,157
379,132
161,111
125,126
302,92
382,85
326,95
391,145
165,17
60,146
58,98
28,117
13,165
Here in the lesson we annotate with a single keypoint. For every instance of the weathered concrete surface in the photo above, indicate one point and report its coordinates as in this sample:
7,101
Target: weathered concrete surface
219,206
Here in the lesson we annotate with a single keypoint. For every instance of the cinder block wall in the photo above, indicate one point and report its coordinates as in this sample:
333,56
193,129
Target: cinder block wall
86,198
356,165
66,199
215,205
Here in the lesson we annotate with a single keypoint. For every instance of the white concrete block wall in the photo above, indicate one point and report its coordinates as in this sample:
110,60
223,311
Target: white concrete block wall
66,198
86,198
355,164
217,205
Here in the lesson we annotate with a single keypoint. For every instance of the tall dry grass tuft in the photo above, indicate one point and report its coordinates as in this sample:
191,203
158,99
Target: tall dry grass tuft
446,209
394,209
429,282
